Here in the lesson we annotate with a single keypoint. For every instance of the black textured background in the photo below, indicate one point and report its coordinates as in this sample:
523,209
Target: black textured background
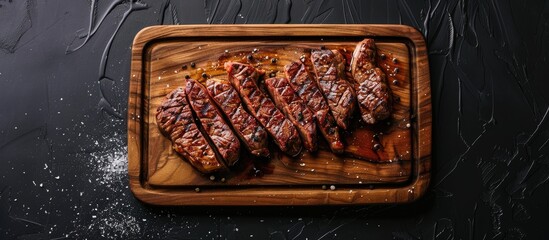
64,68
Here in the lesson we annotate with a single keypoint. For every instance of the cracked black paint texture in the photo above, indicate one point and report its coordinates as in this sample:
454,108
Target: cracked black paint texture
64,68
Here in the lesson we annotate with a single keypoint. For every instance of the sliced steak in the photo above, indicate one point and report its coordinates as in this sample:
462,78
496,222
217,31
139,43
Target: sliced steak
295,109
175,120
329,70
302,83
252,134
244,79
373,95
223,138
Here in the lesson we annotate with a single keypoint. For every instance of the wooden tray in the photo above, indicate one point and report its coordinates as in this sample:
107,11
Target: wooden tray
398,172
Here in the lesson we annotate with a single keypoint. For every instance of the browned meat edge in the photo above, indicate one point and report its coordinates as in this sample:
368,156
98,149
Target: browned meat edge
302,83
252,134
244,77
175,120
295,109
211,120
328,67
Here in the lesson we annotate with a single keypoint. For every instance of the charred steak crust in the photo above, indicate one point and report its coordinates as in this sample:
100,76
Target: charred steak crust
295,109
175,120
252,134
223,138
329,70
244,79
373,94
302,83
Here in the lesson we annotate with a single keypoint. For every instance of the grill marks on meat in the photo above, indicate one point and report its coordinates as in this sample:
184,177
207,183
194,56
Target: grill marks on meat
302,83
212,122
295,109
373,95
244,79
329,68
192,117
175,119
252,134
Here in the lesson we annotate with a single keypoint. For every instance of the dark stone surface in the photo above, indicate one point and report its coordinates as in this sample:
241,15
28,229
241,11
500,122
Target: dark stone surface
64,68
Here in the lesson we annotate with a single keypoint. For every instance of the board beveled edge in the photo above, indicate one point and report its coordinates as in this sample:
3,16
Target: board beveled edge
282,196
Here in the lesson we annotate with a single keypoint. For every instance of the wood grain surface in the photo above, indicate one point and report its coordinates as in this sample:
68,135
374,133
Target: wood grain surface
396,172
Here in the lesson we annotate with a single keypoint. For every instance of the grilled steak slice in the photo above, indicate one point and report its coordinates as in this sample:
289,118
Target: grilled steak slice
222,136
302,83
175,120
244,79
329,68
252,134
374,96
295,109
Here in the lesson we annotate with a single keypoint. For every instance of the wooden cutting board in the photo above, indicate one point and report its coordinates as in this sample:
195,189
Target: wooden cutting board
385,163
